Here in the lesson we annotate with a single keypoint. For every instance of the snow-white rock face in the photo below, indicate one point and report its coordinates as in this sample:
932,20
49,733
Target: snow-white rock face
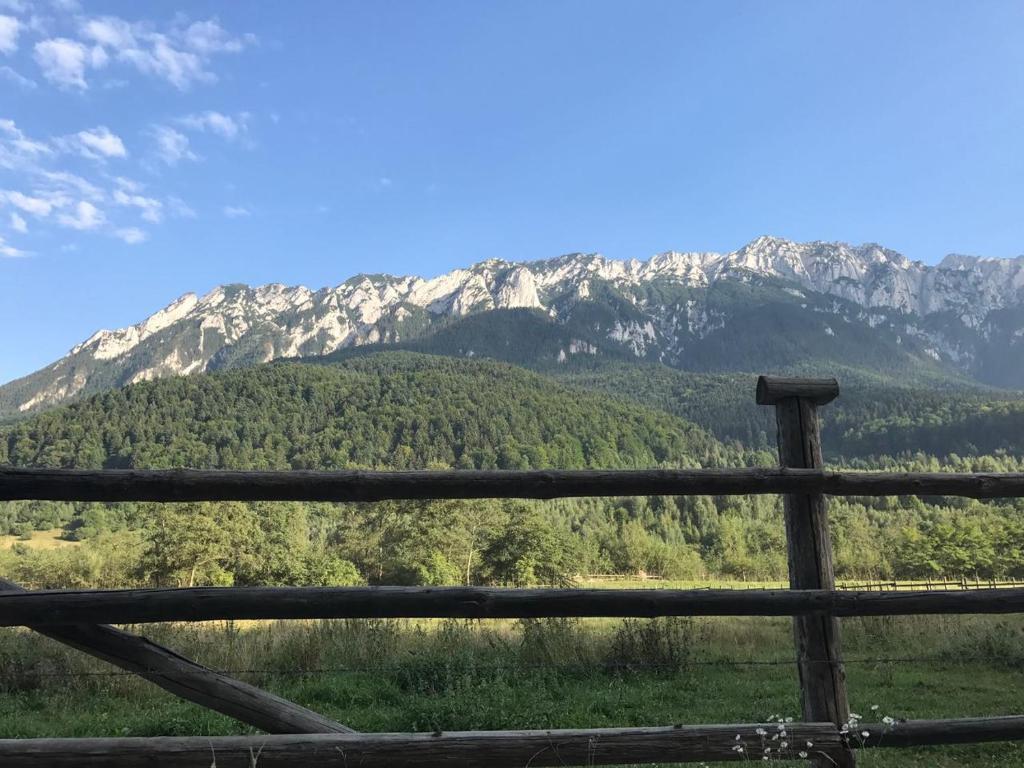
236,325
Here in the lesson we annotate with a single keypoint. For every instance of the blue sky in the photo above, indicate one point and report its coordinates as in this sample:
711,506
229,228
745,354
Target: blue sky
151,149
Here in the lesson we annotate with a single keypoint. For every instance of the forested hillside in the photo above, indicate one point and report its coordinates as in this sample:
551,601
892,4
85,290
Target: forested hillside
398,410
392,410
873,416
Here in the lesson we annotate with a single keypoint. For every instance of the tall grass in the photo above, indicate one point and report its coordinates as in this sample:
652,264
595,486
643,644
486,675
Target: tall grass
425,675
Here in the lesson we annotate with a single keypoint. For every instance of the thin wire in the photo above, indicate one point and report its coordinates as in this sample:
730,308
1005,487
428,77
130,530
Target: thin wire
595,667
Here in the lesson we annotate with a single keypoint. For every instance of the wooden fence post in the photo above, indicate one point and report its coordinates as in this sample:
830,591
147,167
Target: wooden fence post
819,662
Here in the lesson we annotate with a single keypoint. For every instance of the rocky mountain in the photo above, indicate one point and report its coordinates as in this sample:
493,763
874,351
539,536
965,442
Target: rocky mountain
773,304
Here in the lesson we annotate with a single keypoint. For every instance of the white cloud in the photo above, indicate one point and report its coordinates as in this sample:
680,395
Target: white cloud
129,185
10,27
179,68
109,31
209,36
37,206
64,61
16,149
216,122
179,209
96,144
48,193
236,211
384,181
130,235
64,183
102,141
86,216
180,55
10,251
172,146
17,78
151,209
98,57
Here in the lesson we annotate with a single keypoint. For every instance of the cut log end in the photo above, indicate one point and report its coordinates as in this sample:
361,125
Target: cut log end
772,389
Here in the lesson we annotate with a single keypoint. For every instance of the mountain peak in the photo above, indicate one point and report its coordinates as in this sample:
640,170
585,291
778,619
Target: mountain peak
965,261
237,324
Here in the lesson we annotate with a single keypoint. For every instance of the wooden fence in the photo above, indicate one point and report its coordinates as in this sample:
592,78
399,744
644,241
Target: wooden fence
296,735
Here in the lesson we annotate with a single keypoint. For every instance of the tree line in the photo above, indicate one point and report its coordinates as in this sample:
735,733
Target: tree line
399,410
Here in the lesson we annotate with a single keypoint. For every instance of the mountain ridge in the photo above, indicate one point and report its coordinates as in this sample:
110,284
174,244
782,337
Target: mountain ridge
957,313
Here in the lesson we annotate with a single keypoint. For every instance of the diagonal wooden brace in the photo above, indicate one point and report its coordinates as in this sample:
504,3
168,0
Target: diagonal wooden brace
188,680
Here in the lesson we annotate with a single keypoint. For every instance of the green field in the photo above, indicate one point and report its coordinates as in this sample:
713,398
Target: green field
455,675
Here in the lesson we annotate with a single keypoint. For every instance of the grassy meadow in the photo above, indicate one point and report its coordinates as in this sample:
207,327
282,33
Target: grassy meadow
455,675
55,538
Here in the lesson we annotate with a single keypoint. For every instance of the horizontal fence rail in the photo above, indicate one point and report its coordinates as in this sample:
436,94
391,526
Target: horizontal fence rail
131,606
495,749
499,749
357,485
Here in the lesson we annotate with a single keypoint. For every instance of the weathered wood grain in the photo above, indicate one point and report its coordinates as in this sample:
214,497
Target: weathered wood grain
818,656
774,389
919,733
130,606
494,749
357,485
511,749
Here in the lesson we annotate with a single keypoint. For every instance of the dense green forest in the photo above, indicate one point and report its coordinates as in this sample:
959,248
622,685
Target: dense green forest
884,409
405,410
393,410
873,416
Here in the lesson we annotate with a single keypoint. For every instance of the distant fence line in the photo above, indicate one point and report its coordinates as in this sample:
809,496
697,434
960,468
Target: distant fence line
864,585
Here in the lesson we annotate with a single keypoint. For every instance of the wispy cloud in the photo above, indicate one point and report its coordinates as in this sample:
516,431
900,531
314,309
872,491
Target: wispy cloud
180,54
18,151
130,235
209,37
40,190
127,195
37,206
85,216
109,31
70,185
215,122
10,28
64,62
172,146
13,76
79,181
97,144
9,251
179,209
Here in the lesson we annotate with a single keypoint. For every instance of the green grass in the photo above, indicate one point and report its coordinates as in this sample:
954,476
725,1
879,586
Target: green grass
447,675
51,539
